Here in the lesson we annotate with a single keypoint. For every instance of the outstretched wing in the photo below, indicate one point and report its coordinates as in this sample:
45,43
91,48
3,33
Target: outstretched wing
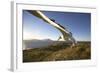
66,34
37,14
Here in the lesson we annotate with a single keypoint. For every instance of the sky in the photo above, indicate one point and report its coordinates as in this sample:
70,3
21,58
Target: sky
77,23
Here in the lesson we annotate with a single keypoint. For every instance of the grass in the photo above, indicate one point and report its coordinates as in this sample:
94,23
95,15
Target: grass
58,52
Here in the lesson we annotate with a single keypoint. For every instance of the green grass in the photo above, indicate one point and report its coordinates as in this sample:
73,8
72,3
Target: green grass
58,52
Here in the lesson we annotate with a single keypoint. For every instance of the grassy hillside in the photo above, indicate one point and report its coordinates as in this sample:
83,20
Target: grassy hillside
58,52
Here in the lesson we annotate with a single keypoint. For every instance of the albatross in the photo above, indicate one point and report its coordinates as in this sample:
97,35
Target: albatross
66,35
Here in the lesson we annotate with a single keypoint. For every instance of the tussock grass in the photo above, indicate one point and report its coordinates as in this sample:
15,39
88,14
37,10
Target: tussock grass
58,52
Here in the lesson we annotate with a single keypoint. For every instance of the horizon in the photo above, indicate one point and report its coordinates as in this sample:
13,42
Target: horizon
54,40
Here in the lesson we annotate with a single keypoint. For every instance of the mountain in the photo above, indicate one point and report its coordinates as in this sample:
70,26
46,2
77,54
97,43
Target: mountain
35,43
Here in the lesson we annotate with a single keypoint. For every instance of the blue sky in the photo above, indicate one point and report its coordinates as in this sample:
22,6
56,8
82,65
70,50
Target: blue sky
78,23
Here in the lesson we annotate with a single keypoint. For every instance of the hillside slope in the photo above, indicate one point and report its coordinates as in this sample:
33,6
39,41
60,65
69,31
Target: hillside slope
58,52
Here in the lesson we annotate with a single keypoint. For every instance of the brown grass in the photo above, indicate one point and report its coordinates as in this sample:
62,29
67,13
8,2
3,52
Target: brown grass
58,52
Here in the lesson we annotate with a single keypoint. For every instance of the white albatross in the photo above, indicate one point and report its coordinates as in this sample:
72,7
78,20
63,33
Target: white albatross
66,35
